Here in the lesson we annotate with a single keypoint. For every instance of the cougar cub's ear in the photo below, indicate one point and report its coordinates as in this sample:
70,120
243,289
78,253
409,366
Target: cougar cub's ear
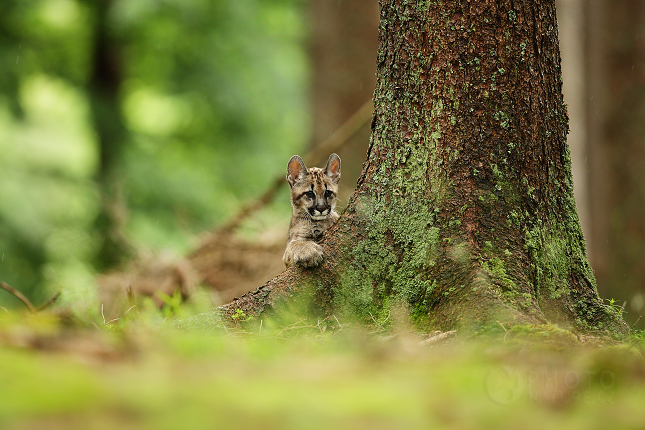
296,169
333,168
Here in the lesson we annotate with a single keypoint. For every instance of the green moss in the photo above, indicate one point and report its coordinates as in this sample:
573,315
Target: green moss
504,120
392,260
545,333
403,236
496,268
551,262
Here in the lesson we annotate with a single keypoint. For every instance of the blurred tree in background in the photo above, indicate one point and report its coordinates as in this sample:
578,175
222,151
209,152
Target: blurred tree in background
603,51
343,44
615,100
149,120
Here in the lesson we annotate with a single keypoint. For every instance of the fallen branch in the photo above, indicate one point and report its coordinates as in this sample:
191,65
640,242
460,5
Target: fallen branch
17,294
439,337
48,302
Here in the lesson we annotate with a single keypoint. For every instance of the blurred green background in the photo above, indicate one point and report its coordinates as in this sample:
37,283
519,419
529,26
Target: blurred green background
137,124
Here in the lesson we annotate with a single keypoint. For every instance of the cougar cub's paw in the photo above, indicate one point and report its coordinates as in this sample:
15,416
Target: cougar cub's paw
311,256
304,253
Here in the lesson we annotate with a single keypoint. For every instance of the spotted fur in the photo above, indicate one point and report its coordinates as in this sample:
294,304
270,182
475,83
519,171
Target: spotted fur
313,199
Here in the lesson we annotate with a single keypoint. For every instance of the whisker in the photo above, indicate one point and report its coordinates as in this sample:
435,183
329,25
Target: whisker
306,216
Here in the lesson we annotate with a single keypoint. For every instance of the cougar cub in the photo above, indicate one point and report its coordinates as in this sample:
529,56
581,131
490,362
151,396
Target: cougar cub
313,197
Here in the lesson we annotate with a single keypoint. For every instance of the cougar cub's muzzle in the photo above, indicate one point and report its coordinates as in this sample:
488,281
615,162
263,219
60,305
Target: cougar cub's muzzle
319,212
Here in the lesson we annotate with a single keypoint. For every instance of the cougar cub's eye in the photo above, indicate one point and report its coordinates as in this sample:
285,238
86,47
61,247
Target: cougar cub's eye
310,194
328,194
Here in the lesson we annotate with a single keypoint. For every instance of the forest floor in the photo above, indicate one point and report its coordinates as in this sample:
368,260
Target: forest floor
143,372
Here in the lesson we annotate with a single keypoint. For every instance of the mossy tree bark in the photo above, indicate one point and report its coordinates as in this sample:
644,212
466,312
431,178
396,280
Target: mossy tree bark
464,210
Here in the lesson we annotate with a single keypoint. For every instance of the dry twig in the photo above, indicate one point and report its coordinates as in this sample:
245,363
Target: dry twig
48,302
17,294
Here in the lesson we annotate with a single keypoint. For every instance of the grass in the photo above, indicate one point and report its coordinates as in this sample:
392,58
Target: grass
143,373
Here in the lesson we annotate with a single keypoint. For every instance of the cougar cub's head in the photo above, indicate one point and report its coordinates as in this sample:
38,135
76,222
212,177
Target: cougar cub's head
313,191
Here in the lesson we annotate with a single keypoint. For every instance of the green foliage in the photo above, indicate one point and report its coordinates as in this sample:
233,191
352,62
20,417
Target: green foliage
171,304
637,338
241,316
213,98
615,307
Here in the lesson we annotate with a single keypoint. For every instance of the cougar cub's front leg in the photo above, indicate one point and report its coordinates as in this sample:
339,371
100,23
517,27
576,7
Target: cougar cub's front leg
306,253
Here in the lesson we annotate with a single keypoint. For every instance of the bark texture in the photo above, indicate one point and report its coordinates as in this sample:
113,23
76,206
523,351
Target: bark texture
464,211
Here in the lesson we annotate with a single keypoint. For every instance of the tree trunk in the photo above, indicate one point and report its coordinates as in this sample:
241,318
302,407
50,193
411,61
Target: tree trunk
464,211
344,38
571,27
104,88
616,121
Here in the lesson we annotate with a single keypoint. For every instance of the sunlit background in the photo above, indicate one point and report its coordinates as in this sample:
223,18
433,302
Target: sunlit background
133,127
